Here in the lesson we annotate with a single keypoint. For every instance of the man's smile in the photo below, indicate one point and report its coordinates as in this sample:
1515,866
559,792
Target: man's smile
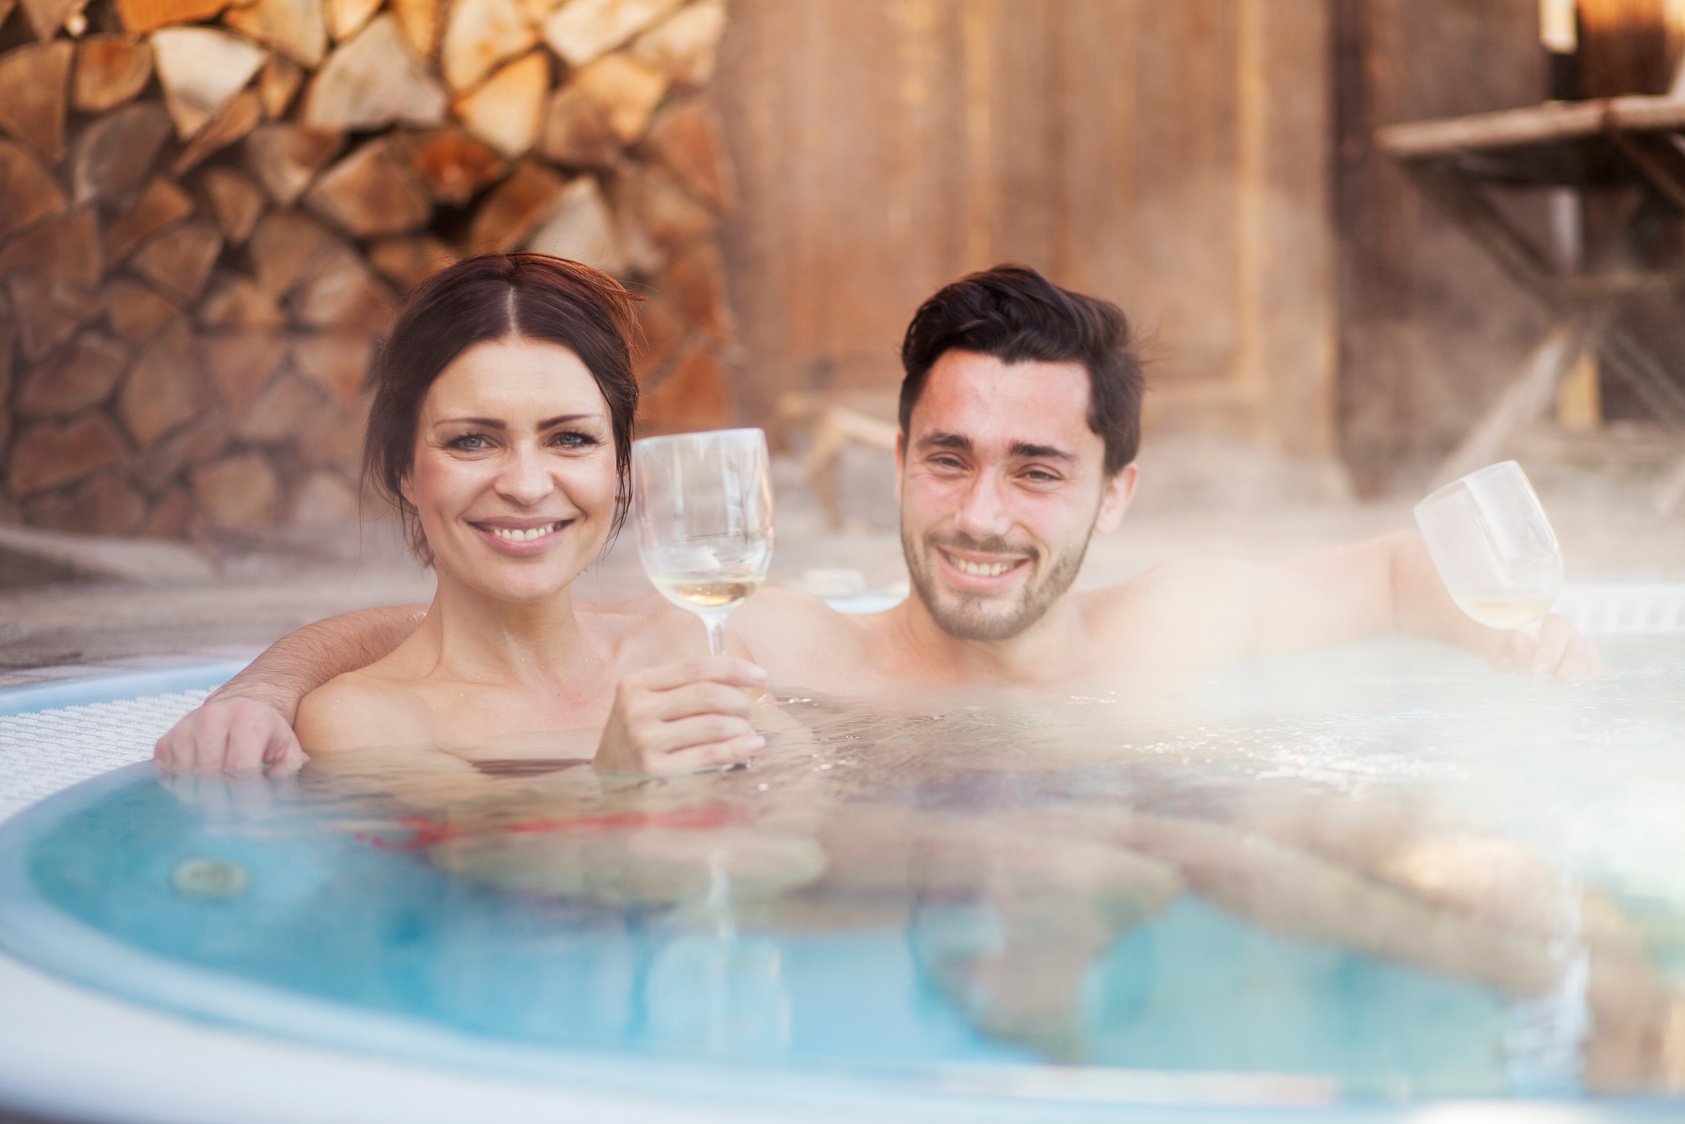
980,569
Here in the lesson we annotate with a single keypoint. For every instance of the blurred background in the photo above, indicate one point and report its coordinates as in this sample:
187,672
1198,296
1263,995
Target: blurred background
208,209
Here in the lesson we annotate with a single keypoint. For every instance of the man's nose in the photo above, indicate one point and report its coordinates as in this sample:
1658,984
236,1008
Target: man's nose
524,477
983,510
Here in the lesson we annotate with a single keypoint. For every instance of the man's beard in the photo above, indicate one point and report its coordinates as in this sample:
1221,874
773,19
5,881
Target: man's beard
970,617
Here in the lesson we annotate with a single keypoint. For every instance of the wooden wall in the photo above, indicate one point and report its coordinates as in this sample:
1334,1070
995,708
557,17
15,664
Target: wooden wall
1430,331
1172,157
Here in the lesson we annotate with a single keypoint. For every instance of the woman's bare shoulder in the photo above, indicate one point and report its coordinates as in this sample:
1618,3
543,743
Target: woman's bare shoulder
357,710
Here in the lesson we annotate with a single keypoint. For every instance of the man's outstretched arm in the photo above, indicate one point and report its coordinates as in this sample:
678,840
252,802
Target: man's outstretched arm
247,723
1389,585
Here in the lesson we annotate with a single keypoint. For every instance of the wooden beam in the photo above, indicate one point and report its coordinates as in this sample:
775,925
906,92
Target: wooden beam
34,91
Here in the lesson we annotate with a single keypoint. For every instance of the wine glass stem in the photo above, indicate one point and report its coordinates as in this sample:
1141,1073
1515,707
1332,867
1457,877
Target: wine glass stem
716,632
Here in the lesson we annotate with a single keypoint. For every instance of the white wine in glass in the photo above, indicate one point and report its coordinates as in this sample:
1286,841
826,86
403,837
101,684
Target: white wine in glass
703,505
1493,547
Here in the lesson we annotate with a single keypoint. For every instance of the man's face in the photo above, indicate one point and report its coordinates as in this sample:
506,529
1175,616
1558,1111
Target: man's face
1002,485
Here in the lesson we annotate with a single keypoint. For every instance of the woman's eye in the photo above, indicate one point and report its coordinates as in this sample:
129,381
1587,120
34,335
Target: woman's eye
573,439
469,442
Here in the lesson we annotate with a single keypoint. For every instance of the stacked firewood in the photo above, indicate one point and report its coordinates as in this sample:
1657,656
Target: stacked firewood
209,209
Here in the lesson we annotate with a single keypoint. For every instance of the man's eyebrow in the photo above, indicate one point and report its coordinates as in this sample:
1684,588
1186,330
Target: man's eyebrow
942,440
1027,451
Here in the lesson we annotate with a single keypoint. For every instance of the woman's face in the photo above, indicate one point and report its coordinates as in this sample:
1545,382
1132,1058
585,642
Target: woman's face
513,478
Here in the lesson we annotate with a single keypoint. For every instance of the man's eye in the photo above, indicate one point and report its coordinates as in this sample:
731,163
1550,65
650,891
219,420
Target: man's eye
946,462
1041,476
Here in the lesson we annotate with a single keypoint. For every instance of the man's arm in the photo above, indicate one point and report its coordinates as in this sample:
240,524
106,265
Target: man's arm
247,722
1388,585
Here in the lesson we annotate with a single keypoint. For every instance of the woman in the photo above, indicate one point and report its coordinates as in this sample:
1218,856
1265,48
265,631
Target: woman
501,429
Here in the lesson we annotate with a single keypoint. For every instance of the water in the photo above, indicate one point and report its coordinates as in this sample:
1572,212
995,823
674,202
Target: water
1380,873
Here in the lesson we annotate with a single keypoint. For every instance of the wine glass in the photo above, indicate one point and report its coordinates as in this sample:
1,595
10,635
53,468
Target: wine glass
703,504
1493,547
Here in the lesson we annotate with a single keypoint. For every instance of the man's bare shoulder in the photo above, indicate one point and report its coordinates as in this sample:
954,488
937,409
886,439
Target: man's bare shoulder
799,639
1191,612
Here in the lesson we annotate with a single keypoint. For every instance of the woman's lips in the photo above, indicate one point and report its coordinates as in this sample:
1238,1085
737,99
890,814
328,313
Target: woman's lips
523,537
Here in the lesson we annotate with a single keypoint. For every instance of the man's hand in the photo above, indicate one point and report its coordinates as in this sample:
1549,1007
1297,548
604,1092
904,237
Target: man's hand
682,717
1560,651
232,734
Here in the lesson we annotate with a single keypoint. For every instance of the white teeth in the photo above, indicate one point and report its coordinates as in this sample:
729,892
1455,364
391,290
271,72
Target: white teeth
981,569
512,534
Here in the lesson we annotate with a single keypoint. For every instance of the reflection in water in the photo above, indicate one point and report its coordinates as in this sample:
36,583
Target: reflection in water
1373,866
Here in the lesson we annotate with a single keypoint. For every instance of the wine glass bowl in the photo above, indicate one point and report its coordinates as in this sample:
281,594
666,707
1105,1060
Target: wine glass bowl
703,507
1493,546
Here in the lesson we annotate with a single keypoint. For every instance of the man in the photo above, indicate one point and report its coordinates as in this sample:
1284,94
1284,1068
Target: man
1019,424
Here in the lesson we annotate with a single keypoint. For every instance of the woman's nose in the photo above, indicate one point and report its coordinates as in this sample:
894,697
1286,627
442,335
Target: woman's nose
524,478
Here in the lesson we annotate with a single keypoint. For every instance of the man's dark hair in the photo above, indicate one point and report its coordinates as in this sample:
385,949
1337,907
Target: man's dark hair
1014,314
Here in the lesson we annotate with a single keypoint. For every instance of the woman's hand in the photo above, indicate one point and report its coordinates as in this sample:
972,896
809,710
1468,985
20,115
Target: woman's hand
683,717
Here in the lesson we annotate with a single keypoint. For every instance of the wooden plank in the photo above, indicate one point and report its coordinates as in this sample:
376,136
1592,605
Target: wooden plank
233,123
419,23
30,191
576,131
406,262
201,69
110,70
506,110
341,292
514,208
179,262
277,84
287,158
454,165
374,191
373,80
296,28
685,46
34,91
135,311
585,29
338,362
284,246
479,35
140,16
1523,402
627,90
235,200
116,151
64,247
48,17
347,17
161,205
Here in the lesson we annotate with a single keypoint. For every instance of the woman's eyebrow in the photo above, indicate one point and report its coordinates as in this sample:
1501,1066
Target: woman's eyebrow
499,423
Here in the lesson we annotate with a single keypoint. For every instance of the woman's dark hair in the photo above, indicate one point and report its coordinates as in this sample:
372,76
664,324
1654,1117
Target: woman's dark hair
494,297
1014,314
